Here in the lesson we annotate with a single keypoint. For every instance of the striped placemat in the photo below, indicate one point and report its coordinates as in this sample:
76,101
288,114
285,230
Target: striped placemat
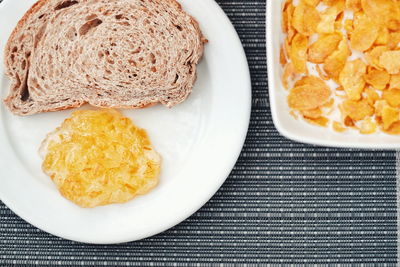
284,202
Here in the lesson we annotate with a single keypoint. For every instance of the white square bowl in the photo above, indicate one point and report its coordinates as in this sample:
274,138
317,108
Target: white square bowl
299,130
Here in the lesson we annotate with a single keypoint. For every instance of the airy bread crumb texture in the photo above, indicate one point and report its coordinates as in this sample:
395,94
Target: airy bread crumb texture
109,53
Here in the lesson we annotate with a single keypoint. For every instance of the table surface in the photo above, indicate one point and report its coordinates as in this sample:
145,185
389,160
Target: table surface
284,202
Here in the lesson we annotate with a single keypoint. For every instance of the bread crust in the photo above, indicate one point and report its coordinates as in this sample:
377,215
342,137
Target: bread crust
15,91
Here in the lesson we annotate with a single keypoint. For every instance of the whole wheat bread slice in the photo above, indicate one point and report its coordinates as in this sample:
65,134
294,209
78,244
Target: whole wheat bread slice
108,53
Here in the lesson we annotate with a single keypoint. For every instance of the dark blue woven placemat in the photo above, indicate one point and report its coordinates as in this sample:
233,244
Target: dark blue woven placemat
283,203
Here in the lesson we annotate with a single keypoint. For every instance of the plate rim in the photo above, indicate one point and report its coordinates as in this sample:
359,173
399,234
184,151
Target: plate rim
206,197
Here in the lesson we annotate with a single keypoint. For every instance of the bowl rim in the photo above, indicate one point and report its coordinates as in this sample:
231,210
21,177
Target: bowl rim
273,85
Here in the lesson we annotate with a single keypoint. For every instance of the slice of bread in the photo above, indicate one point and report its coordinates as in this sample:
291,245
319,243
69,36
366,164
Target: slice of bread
108,53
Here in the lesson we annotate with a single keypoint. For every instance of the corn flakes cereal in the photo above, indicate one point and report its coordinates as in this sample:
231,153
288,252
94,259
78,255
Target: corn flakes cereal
352,78
339,22
384,12
383,36
312,113
321,73
393,129
357,16
323,47
392,97
298,53
373,56
321,36
395,81
310,81
394,40
338,3
372,95
329,104
379,105
348,122
354,5
282,56
309,93
327,20
368,126
357,110
305,19
389,116
321,121
285,16
312,2
288,75
348,26
364,34
378,79
338,127
390,60
334,63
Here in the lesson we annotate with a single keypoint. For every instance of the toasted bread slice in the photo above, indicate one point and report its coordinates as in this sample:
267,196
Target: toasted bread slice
114,53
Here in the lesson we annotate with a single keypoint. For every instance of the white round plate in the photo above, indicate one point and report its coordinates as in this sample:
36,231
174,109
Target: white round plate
199,140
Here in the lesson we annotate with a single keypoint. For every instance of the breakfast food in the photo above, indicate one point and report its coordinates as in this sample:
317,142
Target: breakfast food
116,53
341,63
98,157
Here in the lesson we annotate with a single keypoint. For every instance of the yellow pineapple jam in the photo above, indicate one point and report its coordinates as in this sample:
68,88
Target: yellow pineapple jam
99,157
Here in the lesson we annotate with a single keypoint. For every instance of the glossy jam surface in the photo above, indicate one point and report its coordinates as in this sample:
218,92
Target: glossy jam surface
99,157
